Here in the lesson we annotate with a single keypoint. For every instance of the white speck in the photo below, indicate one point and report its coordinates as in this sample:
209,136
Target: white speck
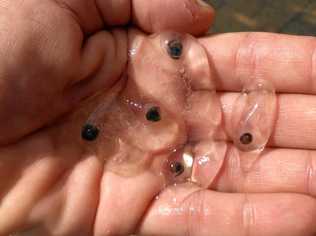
188,160
203,160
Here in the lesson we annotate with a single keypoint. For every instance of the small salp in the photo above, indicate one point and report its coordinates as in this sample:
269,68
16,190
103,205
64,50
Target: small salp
131,133
253,116
253,120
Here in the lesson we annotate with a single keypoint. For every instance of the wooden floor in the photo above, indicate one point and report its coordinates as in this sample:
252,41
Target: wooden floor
286,16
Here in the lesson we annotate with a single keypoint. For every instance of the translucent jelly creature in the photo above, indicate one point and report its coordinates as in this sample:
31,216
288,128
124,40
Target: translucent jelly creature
131,132
167,106
254,116
175,71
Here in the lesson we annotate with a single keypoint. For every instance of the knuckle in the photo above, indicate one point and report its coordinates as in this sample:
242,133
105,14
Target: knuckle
195,213
250,55
310,174
313,65
248,216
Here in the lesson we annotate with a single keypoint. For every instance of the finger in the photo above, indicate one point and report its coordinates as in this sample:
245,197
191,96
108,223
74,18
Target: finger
123,202
295,120
288,61
277,170
92,16
209,213
115,12
124,195
191,16
48,189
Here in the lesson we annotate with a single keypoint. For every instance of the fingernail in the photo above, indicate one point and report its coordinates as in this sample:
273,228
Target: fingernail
203,3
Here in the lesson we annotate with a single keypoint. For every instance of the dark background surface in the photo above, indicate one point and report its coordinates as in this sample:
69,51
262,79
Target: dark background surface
286,16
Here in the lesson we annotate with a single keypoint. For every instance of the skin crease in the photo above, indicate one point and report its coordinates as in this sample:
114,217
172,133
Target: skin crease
56,58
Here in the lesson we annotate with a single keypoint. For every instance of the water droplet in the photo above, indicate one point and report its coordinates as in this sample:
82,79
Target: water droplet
203,160
132,52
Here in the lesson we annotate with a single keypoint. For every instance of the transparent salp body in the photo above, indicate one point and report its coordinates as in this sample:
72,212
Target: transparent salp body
166,109
253,119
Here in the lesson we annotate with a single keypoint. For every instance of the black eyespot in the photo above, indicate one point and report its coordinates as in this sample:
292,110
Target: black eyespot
175,48
89,132
246,138
153,114
177,168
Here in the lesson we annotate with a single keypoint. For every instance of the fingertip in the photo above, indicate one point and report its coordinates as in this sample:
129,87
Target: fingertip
115,12
188,16
203,3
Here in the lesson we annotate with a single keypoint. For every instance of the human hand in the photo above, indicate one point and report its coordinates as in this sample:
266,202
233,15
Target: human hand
55,189
277,195
54,55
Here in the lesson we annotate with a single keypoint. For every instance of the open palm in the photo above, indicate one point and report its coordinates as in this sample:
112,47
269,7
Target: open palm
55,55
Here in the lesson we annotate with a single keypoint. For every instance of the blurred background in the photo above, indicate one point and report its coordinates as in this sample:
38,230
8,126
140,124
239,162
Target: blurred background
285,16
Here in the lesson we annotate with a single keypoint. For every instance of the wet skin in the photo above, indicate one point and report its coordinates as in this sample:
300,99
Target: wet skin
51,183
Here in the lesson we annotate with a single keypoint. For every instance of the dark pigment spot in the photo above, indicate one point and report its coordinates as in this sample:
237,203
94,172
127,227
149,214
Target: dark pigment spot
89,132
153,114
246,138
175,49
177,168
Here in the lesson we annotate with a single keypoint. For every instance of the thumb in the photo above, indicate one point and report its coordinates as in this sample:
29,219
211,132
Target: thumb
188,16
103,60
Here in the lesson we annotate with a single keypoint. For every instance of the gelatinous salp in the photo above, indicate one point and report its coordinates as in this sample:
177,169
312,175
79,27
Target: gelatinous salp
131,132
167,106
253,116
